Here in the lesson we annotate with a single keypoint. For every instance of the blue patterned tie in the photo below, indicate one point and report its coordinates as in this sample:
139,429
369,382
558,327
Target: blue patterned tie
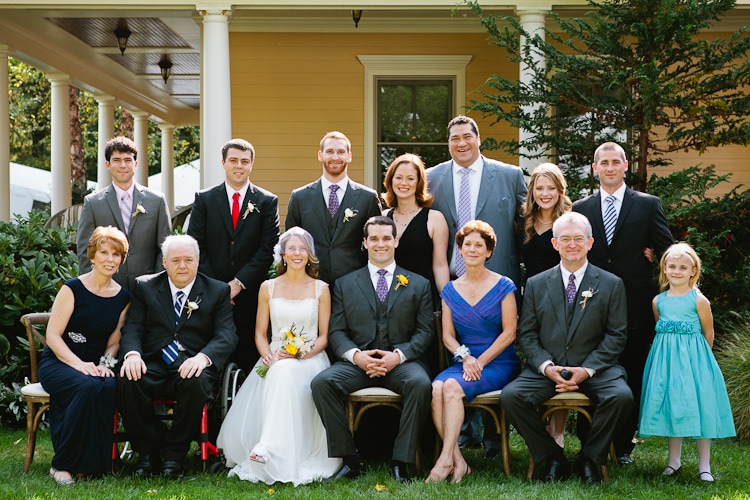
464,214
610,218
178,305
333,201
382,287
570,291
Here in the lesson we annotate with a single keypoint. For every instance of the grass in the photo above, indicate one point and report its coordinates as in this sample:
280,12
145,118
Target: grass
730,463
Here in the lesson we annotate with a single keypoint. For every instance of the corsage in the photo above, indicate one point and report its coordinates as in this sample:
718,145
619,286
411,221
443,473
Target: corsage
461,354
108,361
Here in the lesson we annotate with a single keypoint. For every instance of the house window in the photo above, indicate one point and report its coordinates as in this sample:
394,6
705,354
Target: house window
412,116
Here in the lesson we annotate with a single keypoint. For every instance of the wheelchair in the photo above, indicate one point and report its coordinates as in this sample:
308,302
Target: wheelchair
213,415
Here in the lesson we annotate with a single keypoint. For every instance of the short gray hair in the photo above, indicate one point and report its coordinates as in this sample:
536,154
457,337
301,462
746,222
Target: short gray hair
575,218
179,239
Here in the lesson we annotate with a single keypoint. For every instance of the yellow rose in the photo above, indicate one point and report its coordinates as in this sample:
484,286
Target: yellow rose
292,349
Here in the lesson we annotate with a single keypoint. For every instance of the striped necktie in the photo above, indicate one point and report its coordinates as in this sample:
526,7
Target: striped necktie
610,218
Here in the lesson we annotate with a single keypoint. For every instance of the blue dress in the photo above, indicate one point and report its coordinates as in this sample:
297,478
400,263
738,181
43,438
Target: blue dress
477,327
683,394
82,407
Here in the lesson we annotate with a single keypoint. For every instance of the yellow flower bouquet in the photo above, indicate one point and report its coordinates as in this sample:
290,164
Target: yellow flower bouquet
293,343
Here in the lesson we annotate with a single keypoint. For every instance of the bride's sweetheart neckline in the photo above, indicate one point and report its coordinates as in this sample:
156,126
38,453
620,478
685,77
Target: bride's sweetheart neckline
292,300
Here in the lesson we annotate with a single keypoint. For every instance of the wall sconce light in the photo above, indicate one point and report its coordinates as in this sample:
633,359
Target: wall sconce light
122,33
356,16
166,67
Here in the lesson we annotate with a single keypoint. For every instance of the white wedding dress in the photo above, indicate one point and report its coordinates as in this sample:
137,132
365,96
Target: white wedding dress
276,414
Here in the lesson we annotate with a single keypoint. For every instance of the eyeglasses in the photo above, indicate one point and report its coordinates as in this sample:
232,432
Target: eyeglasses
578,240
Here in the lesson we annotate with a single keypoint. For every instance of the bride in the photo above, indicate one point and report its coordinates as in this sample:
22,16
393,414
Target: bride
273,432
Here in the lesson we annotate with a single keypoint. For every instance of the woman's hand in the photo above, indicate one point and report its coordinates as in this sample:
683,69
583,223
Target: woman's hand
103,371
87,368
472,369
282,354
268,359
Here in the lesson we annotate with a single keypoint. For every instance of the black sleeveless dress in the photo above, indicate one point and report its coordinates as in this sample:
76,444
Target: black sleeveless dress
82,407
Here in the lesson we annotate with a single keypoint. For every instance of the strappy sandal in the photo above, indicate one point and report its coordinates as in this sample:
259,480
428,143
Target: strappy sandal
671,471
61,481
709,478
259,454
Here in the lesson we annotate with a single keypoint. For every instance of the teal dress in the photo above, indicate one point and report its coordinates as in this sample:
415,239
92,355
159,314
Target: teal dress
683,394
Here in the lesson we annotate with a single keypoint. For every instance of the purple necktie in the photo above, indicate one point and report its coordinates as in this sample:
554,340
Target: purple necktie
382,287
333,201
570,291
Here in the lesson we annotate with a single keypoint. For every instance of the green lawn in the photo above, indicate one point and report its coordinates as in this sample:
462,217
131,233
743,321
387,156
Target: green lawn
730,462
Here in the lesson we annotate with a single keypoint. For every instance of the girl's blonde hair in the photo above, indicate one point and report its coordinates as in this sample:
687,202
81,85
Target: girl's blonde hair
675,252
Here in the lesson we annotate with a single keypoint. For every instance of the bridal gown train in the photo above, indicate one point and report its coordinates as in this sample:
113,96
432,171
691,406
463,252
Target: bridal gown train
276,415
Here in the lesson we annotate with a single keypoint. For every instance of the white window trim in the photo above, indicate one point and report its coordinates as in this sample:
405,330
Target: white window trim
404,67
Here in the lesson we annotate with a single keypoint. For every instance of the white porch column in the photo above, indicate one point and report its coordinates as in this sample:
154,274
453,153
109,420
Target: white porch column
106,129
60,125
533,22
216,97
140,137
4,136
167,163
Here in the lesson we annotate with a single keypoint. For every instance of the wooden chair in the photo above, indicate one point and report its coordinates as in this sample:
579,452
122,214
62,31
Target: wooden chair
571,401
489,402
33,394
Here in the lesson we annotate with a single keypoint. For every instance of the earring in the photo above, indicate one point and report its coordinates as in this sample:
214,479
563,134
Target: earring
283,261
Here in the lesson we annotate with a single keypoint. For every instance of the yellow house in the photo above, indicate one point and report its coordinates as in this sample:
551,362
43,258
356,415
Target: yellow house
280,74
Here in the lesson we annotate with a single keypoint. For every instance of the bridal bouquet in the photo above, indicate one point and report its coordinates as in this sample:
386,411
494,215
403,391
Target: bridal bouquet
292,342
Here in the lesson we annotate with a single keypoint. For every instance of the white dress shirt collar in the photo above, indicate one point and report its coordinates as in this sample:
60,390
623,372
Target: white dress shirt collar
578,274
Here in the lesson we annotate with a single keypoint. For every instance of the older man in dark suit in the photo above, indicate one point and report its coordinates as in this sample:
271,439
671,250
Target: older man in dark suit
573,328
630,232
381,326
333,210
141,214
177,337
236,225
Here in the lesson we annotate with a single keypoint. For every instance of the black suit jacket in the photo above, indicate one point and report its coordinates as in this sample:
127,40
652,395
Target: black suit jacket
150,324
640,224
354,314
339,251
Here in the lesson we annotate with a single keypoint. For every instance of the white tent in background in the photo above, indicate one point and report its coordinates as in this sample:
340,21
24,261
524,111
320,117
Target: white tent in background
187,182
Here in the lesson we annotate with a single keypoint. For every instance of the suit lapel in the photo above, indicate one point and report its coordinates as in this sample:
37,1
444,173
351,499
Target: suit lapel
195,295
351,196
251,197
486,185
557,296
137,200
597,221
320,209
222,207
627,204
164,296
114,205
590,281
395,291
446,193
365,285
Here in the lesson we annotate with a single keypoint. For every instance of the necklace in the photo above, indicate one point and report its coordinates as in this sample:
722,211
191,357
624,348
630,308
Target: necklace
409,215
544,223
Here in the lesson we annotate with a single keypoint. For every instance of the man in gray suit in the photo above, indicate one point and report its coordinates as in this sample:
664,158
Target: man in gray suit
135,210
333,210
573,328
490,191
381,326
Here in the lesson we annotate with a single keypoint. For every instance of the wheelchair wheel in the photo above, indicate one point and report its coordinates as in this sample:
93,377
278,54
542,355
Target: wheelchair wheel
233,379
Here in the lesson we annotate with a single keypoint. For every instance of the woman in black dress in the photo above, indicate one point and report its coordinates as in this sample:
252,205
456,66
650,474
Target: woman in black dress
422,232
76,367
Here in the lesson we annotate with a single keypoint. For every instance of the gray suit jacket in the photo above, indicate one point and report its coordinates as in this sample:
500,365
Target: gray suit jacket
147,231
339,251
501,193
354,314
597,332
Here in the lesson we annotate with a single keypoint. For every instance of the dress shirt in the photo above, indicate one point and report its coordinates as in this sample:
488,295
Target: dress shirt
230,197
619,195
129,210
326,185
475,181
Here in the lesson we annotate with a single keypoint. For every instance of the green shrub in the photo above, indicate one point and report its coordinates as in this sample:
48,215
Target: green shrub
34,263
733,355
717,228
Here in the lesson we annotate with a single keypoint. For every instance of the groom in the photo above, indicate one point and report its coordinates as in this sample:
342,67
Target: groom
381,326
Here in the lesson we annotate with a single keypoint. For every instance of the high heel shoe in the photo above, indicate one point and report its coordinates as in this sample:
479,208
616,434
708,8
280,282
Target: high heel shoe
61,481
458,477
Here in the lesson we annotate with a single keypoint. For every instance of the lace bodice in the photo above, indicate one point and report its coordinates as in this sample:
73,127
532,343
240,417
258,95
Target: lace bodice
303,314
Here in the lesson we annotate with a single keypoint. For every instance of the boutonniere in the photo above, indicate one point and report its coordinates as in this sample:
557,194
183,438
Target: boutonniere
402,281
192,305
250,209
587,294
138,210
350,213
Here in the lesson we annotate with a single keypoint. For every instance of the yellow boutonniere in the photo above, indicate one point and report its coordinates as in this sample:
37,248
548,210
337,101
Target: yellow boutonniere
402,281
349,213
587,294
250,208
192,306
138,210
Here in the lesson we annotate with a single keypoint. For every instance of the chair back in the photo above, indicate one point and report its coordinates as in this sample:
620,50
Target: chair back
33,323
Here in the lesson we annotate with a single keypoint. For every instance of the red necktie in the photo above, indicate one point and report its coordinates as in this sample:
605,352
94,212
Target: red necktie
235,209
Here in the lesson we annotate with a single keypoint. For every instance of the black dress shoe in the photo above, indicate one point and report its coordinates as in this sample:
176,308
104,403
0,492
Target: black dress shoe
145,465
172,469
587,470
400,473
557,470
346,472
491,453
625,459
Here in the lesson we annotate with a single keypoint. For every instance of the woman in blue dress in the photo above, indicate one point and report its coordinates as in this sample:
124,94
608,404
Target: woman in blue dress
479,327
83,337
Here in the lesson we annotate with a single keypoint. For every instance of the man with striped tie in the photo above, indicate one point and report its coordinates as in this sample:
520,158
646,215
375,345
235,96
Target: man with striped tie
177,337
629,228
